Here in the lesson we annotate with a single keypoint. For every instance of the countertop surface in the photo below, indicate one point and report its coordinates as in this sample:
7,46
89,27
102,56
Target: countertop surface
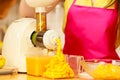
10,73
19,76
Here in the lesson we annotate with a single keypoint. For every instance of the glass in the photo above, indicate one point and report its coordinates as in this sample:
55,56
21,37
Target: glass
36,61
105,69
36,64
74,62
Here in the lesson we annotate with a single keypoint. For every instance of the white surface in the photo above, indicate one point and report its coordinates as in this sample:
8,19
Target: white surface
84,75
55,20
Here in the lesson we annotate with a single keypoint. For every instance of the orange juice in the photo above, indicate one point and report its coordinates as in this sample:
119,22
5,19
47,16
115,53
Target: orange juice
36,64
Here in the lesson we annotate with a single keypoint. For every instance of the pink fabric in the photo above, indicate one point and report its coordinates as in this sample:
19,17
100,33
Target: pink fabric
91,32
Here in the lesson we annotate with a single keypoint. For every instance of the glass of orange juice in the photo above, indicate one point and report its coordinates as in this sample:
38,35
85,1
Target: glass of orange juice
36,62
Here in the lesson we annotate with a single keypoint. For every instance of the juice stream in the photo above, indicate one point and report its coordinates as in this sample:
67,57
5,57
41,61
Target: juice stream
58,66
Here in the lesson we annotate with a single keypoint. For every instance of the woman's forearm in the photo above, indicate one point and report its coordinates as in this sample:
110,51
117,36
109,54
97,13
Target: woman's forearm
25,10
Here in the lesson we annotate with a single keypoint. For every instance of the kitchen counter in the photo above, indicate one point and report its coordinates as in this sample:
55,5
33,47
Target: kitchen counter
28,77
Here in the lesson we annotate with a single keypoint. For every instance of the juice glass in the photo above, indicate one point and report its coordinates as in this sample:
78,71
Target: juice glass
74,62
36,63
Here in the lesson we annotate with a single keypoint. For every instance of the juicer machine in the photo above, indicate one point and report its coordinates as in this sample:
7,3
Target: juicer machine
29,34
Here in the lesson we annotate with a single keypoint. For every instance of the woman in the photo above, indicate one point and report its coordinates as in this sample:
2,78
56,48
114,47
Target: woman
90,28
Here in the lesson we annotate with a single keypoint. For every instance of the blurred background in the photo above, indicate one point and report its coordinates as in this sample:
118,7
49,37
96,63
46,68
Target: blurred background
8,13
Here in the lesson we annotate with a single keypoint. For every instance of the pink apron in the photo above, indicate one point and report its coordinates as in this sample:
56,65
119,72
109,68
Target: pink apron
91,32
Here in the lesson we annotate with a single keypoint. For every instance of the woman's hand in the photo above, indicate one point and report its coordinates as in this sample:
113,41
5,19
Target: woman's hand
48,4
27,7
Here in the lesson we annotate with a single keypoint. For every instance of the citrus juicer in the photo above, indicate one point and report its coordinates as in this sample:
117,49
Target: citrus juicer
29,33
